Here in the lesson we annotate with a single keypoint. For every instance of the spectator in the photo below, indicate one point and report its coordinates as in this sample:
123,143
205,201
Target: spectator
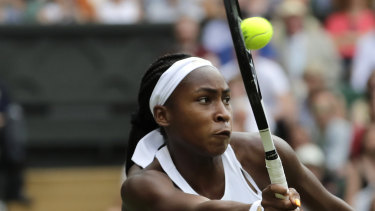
313,158
4,105
372,208
334,131
12,11
363,62
58,12
313,80
120,12
169,11
353,19
187,32
221,45
12,154
361,174
262,8
371,95
240,107
363,113
333,134
297,136
216,23
32,10
277,98
251,8
296,39
86,11
321,8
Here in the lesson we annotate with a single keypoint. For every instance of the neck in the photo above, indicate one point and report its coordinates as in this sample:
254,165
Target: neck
205,174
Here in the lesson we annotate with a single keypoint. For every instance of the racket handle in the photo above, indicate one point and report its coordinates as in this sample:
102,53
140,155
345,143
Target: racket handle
273,162
276,173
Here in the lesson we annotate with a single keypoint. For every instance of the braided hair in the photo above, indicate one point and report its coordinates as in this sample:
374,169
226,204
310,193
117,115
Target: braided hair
143,121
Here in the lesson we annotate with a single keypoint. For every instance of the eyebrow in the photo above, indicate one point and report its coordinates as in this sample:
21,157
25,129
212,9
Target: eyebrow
213,91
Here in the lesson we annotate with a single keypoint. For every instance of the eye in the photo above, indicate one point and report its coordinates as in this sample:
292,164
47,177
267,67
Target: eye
226,100
204,100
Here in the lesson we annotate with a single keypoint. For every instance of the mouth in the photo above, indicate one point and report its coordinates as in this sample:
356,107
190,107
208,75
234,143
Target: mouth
225,133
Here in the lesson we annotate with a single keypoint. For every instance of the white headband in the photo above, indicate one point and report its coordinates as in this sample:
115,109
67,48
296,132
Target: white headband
170,79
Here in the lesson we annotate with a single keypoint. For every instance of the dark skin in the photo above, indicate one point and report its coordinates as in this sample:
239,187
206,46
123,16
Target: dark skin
197,119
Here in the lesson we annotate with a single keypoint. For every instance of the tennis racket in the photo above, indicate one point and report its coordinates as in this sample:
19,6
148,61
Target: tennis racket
247,68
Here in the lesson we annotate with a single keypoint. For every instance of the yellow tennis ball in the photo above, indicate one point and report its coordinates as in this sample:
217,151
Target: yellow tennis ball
257,32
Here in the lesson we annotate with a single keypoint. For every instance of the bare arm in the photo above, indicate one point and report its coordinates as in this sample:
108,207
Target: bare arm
249,150
153,190
308,186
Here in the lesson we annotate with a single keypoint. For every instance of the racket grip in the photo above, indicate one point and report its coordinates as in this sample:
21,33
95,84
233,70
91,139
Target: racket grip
276,173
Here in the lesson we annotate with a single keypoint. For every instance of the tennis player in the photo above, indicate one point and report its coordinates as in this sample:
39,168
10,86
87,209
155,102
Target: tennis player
183,154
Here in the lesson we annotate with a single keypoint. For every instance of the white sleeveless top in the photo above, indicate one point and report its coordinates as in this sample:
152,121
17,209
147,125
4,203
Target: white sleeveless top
236,187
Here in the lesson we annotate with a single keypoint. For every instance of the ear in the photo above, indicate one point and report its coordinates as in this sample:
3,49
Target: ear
161,115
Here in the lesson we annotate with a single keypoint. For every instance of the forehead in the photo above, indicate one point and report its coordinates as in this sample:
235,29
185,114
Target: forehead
203,77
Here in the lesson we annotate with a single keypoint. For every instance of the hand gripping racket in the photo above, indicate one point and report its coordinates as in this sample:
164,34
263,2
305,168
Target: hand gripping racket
247,68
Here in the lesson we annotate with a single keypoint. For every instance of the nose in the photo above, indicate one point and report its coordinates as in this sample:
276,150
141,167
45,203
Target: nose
223,113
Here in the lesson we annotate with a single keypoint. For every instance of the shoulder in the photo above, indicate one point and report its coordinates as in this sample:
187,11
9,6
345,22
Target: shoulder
250,153
150,189
244,144
145,184
146,189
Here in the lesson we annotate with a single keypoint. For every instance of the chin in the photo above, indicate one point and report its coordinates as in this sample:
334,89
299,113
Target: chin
219,149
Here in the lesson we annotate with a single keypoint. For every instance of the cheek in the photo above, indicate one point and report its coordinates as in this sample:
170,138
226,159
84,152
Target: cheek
197,118
190,117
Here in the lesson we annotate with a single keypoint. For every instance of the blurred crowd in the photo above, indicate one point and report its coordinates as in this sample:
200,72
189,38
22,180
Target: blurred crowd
96,11
317,80
317,76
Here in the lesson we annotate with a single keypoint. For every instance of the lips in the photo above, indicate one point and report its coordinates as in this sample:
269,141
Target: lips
223,133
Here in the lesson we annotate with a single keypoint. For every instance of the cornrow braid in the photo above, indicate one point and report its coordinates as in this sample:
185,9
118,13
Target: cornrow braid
142,121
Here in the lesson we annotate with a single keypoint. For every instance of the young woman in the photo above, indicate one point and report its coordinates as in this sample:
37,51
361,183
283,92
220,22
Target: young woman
183,155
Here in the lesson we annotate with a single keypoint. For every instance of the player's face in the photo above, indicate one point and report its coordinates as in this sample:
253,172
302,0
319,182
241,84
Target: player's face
200,113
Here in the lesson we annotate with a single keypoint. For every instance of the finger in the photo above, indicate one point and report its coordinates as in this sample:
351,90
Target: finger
278,209
294,197
270,201
271,209
278,204
275,188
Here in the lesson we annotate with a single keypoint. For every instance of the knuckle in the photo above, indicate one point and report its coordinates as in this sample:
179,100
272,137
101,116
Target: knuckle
293,190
